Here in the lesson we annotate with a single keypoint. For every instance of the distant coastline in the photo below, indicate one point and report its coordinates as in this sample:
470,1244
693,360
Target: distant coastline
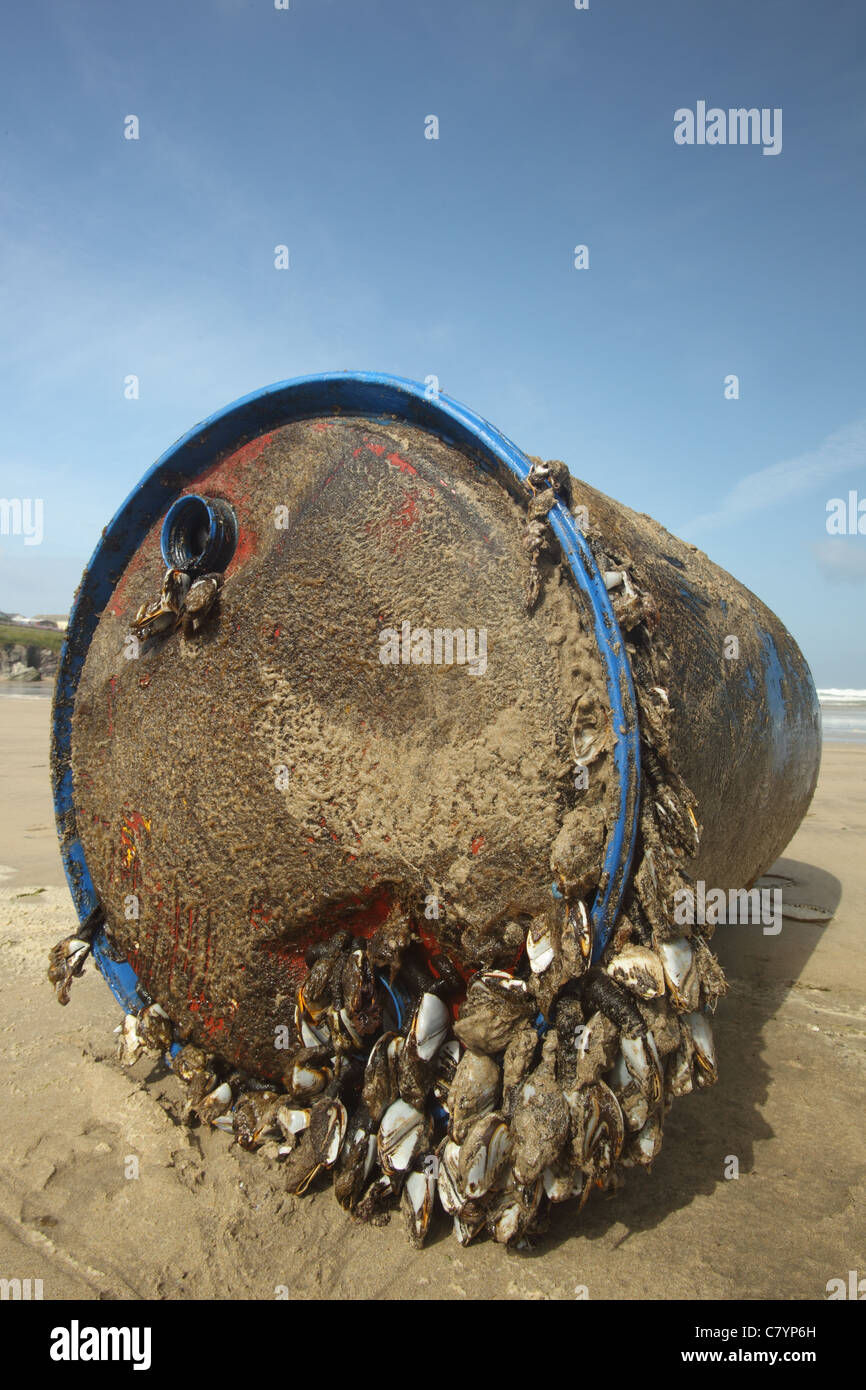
843,715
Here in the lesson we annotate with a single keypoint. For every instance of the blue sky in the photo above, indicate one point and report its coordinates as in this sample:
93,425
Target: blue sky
451,257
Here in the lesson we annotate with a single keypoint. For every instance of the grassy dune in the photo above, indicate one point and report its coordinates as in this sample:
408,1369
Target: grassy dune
30,637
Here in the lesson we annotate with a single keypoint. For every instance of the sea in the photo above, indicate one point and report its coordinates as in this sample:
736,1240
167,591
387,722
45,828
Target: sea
26,690
843,715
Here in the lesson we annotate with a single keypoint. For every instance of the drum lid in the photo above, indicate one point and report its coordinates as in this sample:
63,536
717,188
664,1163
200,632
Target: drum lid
367,721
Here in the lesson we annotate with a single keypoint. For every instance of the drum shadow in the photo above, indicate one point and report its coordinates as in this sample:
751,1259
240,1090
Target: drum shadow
704,1130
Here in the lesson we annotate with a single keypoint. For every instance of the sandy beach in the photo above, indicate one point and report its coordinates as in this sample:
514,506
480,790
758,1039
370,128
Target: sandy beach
204,1219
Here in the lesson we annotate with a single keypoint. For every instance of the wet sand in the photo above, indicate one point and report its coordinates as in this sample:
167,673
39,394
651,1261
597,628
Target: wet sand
203,1219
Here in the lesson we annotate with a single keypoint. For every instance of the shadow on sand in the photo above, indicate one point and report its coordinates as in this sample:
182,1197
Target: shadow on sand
702,1129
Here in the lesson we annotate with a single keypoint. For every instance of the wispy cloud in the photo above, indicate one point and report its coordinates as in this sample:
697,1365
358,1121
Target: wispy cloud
842,559
840,453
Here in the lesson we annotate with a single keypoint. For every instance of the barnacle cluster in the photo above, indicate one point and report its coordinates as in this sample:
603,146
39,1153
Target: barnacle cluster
185,600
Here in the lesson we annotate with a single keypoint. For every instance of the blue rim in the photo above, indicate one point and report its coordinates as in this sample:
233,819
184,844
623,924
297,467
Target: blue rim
350,393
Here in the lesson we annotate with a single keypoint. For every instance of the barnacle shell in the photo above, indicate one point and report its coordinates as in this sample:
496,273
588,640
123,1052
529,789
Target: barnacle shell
496,1005
473,1092
640,970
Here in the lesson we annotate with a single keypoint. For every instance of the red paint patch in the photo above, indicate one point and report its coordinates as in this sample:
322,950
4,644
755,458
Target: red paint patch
403,464
433,948
477,843
230,479
248,544
428,940
260,917
404,513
